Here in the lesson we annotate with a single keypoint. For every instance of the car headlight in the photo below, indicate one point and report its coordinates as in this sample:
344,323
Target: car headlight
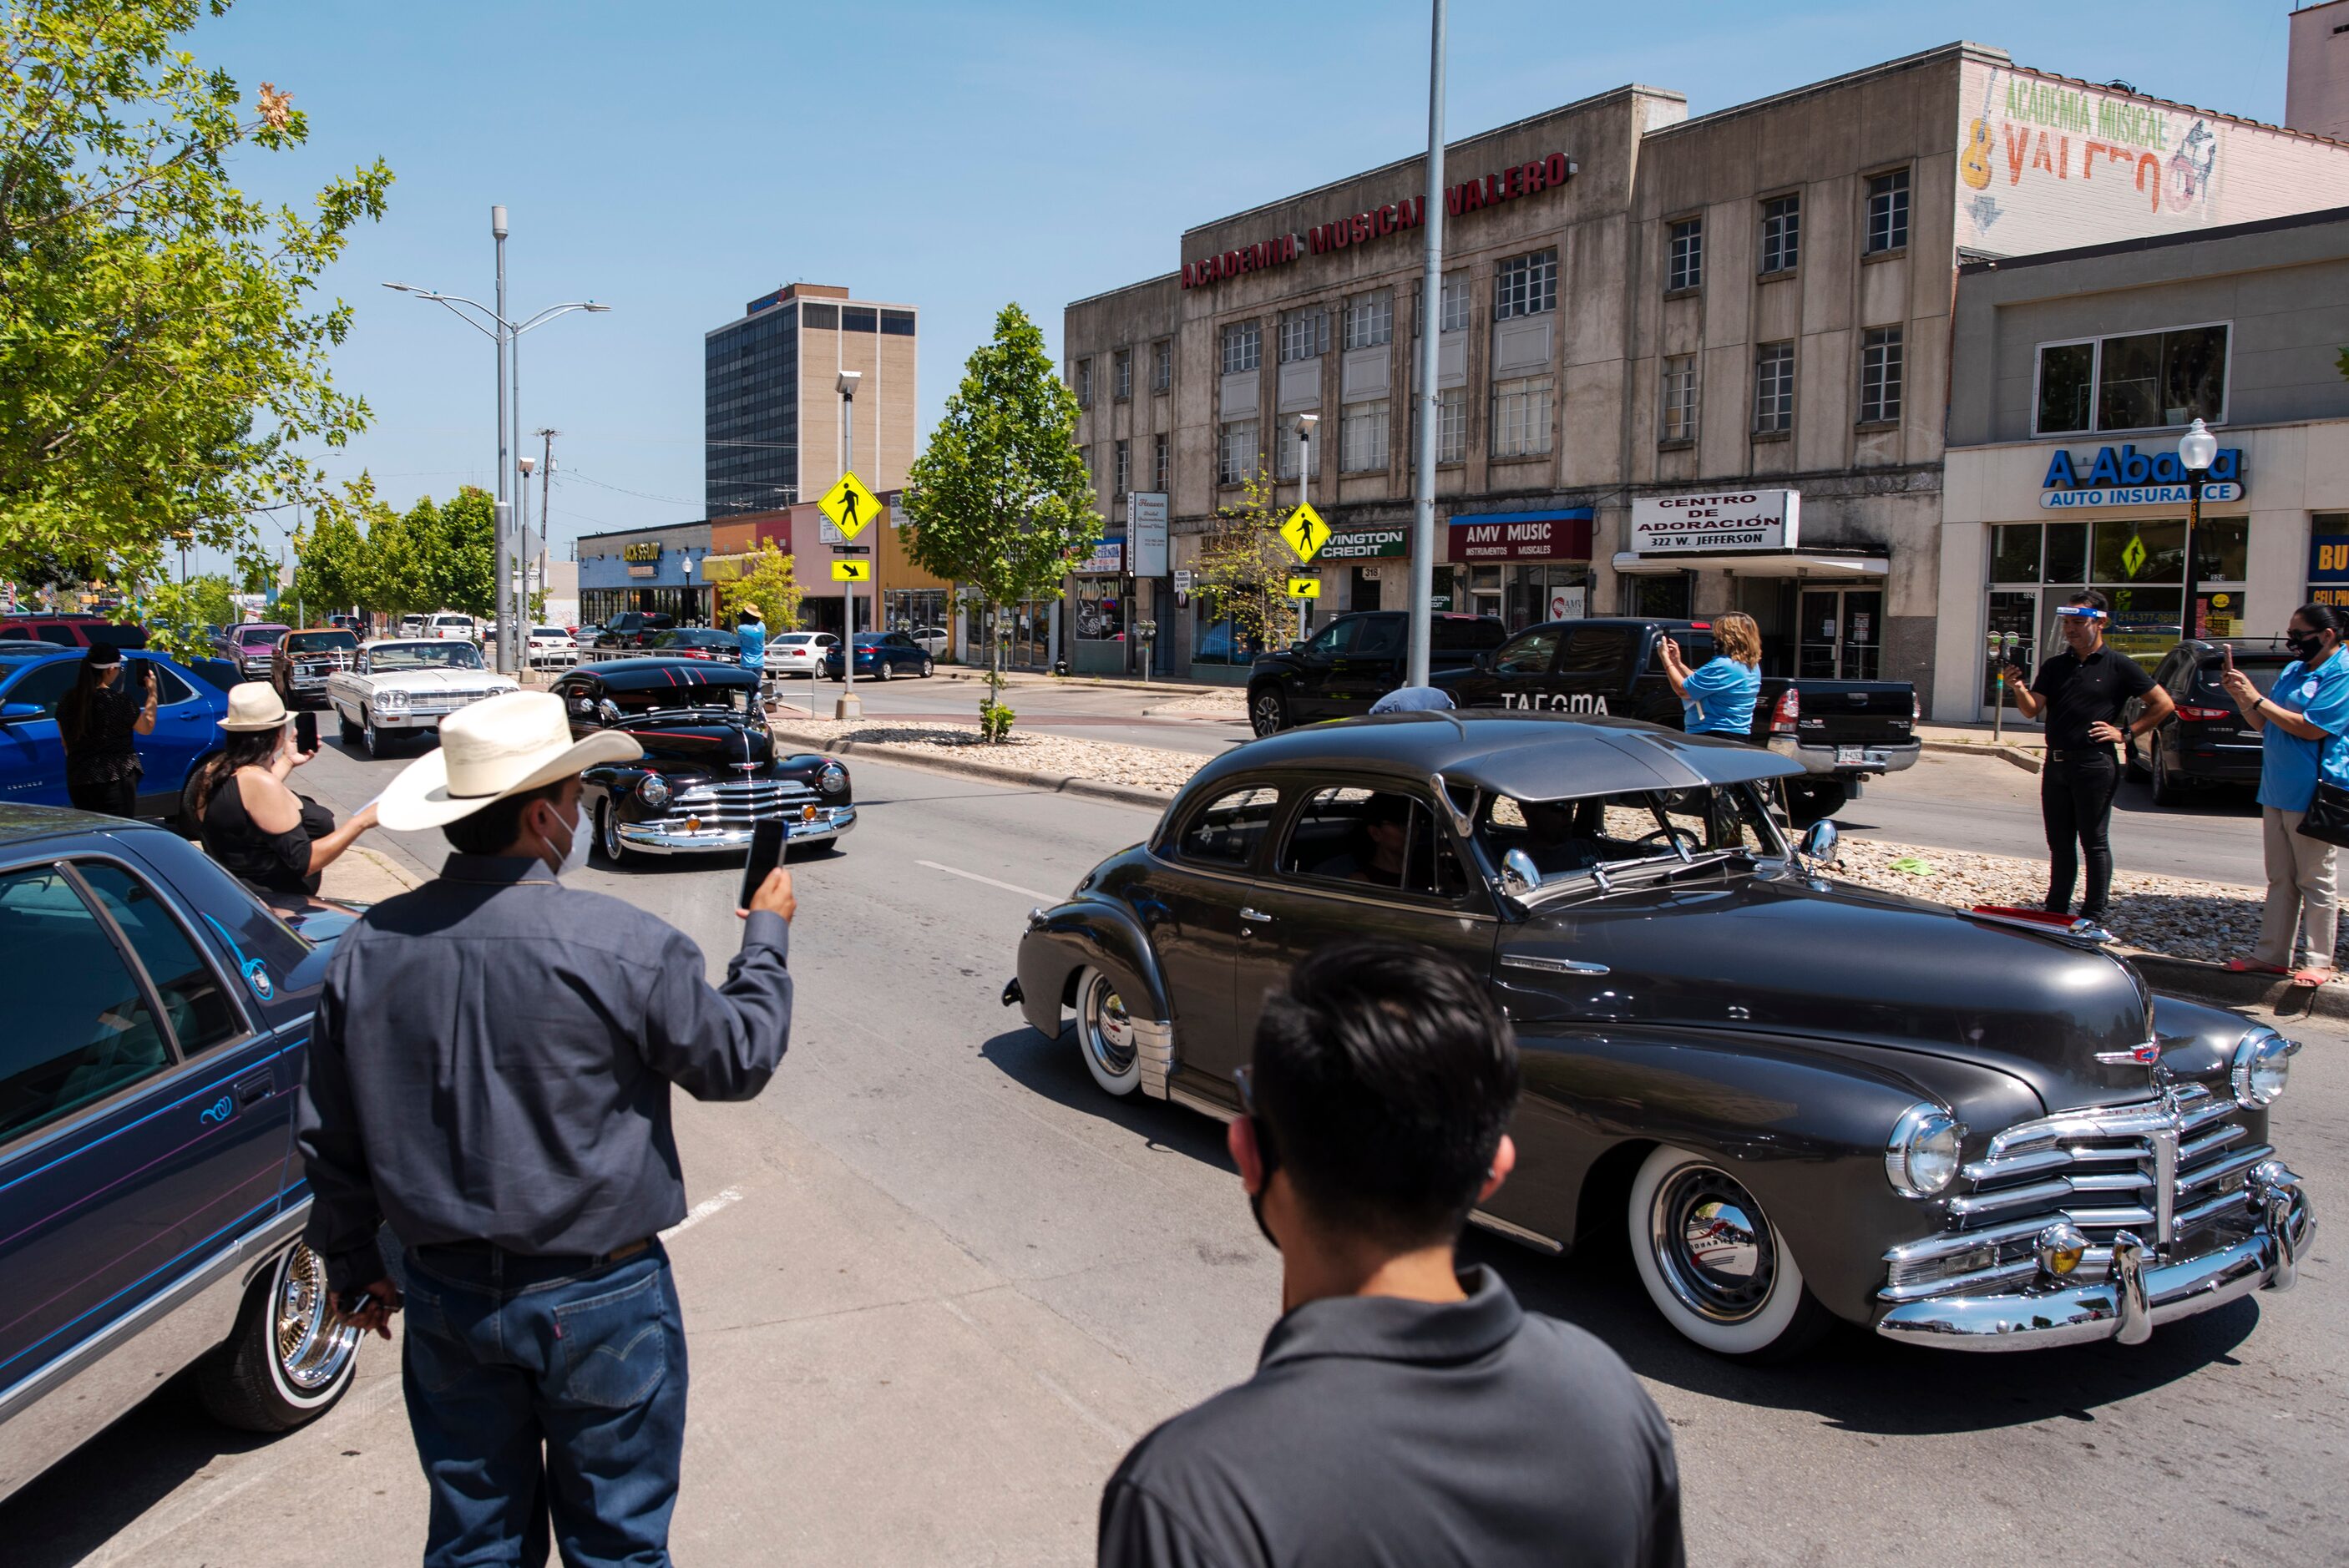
833,779
2263,1066
653,791
1922,1156
390,701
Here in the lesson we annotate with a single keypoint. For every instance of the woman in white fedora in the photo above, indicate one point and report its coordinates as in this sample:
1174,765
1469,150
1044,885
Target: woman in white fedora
258,829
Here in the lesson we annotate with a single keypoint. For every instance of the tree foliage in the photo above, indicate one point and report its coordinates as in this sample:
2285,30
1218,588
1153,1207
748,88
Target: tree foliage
331,569
463,553
771,584
176,614
162,365
1244,566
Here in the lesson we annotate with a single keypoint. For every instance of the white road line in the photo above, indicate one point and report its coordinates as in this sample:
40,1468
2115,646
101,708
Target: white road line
1007,887
703,1211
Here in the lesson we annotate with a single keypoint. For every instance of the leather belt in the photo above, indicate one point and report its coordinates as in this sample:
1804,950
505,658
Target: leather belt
2094,754
578,1260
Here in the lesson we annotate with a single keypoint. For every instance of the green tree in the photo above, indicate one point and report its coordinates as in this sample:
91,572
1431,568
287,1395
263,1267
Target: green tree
177,613
1000,500
1244,566
771,584
332,569
461,560
162,365
399,580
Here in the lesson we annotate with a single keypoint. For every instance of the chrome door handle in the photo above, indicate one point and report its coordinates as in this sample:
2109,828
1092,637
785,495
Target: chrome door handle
1255,916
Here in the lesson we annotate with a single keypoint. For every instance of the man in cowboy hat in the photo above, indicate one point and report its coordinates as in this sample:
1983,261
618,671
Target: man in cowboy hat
490,1076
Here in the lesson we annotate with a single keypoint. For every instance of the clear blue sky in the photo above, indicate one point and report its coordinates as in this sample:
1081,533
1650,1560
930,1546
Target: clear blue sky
676,160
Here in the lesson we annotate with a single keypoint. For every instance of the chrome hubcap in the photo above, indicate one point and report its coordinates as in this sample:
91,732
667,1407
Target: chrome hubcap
312,1348
1108,1028
1712,1243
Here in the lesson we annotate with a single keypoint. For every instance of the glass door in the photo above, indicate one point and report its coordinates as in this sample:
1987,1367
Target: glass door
1840,633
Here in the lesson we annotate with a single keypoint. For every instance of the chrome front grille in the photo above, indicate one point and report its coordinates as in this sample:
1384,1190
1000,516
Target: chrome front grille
738,803
2164,1169
446,701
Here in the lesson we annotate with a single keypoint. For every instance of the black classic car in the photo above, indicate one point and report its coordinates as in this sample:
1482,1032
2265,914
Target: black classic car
709,772
1800,1099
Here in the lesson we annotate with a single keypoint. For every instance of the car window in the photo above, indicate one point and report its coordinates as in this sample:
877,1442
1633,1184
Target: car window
1383,638
1696,649
1573,835
1529,655
169,688
2263,669
423,657
44,685
79,1024
202,1015
61,635
1467,634
320,643
1596,650
121,636
1374,837
1337,637
1228,833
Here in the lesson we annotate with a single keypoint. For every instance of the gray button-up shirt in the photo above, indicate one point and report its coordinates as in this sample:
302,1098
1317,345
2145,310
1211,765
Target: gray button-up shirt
493,1061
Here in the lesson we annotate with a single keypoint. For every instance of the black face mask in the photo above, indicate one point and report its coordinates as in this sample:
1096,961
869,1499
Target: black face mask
2305,645
1271,1157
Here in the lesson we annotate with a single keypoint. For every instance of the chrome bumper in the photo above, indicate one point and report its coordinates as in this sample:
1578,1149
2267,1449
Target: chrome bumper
2137,1293
662,838
1821,760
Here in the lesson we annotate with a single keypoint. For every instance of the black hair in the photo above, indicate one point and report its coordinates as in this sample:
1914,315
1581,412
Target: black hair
1383,807
73,708
239,749
2093,600
1385,1077
2321,618
492,830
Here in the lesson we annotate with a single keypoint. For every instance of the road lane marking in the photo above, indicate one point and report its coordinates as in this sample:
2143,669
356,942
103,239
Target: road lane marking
1007,887
703,1211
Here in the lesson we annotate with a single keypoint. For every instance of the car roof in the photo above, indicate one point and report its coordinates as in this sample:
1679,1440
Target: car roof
23,823
406,643
647,675
1525,755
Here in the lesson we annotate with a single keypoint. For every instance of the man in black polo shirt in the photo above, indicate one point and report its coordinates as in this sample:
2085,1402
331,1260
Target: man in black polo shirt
1401,1411
2082,691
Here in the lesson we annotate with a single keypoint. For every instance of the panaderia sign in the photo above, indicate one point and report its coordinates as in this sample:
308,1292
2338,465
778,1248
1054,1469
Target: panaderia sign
2123,476
1725,519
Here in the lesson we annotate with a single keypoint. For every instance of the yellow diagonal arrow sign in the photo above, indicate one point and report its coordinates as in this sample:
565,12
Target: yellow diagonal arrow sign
850,506
1305,532
1305,587
851,572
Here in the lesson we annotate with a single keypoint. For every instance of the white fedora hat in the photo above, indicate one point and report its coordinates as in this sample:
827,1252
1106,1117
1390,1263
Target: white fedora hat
499,745
253,706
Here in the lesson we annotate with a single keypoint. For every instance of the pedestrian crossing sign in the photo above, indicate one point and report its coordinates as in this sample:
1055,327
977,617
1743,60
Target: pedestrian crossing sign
851,572
1305,532
1305,587
851,508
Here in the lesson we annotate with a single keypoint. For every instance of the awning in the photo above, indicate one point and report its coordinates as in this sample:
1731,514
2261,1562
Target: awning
1760,562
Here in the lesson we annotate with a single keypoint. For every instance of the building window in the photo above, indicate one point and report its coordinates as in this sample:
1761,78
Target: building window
1679,397
1084,379
1879,374
1362,440
1236,451
1888,212
1289,451
1162,365
1304,335
2146,380
1452,425
1521,416
1782,233
1370,320
1525,285
1124,465
1158,464
1455,303
896,324
1243,347
1122,375
1773,387
1684,255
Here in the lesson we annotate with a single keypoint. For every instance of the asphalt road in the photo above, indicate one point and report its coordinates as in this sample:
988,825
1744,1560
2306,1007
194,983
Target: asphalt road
936,1283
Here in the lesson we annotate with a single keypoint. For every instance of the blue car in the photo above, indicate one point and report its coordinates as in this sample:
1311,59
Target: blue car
152,1194
188,713
883,655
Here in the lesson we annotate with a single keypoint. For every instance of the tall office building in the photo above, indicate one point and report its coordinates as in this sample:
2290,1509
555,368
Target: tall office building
772,407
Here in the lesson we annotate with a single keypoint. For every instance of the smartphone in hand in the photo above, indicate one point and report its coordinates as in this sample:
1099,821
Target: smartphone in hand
305,732
766,840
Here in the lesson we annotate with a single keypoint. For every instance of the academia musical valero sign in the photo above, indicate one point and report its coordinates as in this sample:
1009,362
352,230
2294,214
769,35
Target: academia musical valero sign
2123,476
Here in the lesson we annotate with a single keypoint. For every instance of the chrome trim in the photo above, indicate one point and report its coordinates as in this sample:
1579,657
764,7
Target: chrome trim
1179,1094
1516,1232
1552,965
2132,1312
662,838
2252,1044
1154,1052
1255,916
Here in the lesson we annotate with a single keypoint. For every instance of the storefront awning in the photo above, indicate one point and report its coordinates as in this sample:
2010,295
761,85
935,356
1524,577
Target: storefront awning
1760,562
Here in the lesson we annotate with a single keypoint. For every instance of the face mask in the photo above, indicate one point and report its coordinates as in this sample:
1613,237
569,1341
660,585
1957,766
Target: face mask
1271,1157
2306,644
576,851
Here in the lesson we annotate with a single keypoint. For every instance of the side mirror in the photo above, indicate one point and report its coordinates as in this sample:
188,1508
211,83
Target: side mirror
607,711
1519,875
1819,841
1482,658
21,712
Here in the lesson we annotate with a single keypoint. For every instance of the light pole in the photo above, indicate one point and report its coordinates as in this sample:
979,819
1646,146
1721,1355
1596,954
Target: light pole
522,561
848,707
1306,424
2196,449
1430,324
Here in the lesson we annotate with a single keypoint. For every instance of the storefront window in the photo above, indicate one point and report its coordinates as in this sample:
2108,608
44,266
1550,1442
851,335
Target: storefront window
2134,551
2067,552
2015,552
910,609
1222,642
2137,563
1096,609
1662,595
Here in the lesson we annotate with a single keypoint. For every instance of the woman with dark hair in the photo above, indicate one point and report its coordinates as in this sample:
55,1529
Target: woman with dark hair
262,833
96,720
2300,721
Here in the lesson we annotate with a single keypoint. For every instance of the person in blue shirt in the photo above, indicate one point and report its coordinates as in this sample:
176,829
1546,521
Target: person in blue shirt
752,634
1718,697
2300,721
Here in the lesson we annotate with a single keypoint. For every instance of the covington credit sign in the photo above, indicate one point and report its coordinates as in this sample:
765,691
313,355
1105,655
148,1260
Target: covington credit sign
2123,476
1727,519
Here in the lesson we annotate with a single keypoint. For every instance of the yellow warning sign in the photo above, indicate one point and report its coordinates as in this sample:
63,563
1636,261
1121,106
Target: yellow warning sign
852,571
851,508
1305,587
1305,532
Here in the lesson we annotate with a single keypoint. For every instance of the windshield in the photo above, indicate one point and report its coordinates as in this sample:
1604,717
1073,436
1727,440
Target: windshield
548,632
321,642
452,620
1569,840
259,636
424,656
795,637
2262,668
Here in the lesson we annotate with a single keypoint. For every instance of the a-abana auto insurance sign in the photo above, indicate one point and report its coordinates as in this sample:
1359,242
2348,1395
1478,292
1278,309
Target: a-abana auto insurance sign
1723,519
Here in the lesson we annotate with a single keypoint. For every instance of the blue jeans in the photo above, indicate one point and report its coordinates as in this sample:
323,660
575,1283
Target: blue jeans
532,1387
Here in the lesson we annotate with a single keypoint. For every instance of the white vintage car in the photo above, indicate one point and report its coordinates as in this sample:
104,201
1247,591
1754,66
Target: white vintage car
399,686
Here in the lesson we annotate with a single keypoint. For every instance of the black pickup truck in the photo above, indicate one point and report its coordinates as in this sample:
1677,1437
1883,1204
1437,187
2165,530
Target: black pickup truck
1349,664
1842,732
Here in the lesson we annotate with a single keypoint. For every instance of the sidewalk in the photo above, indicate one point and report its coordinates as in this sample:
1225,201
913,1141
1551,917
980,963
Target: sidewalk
2024,745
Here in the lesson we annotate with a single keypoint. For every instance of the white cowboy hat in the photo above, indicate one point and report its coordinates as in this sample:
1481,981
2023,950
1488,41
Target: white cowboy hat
252,707
499,745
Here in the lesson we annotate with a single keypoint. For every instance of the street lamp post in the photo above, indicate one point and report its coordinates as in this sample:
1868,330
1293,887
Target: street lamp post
2196,449
504,554
848,707
1430,322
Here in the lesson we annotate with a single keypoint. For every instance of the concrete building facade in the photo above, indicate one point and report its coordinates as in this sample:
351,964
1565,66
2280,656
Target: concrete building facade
771,410
1686,364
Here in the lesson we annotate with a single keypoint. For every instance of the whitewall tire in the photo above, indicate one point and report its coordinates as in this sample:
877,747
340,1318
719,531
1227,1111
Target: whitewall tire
1106,1036
1713,1263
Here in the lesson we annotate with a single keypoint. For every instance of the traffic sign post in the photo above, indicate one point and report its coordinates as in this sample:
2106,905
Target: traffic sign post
851,508
1305,533
1305,587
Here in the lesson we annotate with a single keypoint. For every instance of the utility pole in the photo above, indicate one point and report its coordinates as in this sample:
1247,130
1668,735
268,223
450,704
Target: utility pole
504,511
545,482
1431,326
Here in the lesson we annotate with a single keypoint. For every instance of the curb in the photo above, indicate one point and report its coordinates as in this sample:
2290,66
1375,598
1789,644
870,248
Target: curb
1055,783
2029,761
1098,683
2200,980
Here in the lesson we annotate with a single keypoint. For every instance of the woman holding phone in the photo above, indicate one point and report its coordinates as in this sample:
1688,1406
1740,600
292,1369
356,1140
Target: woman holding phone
2300,722
97,720
260,830
1718,697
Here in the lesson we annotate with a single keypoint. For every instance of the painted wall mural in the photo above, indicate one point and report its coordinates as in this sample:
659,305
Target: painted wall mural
2044,163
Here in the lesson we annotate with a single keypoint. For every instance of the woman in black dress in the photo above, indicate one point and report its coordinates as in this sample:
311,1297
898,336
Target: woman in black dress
262,833
96,720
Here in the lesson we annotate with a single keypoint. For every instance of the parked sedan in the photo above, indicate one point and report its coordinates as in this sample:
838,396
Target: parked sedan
710,771
799,652
188,711
151,1195
881,656
302,661
1965,1128
407,688
2207,742
553,646
933,640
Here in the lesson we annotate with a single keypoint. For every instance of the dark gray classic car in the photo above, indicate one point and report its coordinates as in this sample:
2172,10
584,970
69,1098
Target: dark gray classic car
1802,1099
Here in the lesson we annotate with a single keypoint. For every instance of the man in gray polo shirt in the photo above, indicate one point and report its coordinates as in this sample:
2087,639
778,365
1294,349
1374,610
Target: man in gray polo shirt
1401,1412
